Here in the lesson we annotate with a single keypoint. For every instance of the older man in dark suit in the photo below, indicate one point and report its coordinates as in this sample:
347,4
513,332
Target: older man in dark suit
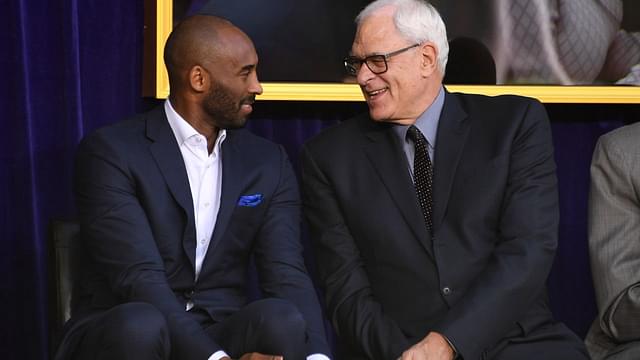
173,203
435,215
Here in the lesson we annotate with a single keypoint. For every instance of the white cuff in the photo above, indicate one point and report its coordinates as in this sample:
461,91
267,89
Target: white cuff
218,355
318,357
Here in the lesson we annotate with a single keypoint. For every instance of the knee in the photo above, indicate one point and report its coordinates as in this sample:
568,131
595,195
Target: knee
282,321
140,327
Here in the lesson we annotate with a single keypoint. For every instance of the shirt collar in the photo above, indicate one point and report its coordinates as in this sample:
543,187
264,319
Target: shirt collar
427,122
182,130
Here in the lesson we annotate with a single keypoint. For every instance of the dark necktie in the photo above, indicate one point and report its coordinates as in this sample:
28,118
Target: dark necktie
422,175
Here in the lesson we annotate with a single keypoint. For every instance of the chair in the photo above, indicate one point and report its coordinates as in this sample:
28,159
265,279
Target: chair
62,235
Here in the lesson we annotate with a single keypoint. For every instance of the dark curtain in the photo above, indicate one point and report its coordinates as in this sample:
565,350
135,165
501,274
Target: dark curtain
575,129
66,67
70,66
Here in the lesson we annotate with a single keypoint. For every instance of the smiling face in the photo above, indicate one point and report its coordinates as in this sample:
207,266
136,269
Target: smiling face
411,82
234,81
212,73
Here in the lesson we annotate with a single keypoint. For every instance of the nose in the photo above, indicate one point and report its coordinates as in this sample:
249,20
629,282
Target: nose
255,87
363,75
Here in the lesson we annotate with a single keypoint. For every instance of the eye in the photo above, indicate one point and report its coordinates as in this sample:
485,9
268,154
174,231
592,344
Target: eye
376,60
246,71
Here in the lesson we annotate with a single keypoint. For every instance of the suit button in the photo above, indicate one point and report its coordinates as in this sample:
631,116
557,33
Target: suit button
188,294
446,290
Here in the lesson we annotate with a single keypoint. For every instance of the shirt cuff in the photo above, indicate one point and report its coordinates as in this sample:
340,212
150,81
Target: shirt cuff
318,357
455,351
218,355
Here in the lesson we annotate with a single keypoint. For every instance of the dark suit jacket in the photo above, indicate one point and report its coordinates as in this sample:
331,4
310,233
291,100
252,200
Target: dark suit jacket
138,230
481,277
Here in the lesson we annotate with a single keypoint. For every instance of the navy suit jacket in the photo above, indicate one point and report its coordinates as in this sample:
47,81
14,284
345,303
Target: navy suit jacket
137,223
481,277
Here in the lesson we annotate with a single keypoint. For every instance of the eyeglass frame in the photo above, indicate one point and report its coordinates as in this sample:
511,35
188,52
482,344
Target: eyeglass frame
349,61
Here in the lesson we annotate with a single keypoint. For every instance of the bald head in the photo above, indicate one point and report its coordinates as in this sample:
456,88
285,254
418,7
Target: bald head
197,40
212,74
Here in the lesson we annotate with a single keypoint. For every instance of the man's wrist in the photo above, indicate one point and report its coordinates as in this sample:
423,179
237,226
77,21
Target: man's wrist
453,347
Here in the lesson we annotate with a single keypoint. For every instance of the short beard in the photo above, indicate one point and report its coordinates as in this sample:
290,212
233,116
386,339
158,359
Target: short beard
223,110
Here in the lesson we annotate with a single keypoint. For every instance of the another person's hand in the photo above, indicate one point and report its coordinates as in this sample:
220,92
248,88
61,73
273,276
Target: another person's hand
433,346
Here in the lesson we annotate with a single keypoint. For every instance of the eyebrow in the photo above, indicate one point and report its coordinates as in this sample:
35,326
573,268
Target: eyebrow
248,67
366,55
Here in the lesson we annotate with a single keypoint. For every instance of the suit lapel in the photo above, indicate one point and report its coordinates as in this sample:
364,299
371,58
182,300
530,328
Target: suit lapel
233,171
166,153
453,130
386,156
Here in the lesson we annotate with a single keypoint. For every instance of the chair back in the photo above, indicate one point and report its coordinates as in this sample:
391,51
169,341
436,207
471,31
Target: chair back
62,235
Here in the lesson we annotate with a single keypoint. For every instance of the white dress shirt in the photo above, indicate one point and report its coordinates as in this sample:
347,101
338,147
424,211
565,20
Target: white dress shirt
205,178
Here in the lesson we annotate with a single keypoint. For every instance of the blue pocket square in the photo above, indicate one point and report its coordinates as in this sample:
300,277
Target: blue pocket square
250,200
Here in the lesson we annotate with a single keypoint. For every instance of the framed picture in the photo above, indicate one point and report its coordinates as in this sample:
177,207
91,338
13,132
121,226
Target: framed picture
559,51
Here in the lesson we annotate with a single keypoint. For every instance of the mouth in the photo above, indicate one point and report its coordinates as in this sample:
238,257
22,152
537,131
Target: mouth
247,105
373,95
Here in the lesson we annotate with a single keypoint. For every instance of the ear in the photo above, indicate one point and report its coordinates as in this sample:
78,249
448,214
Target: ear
199,78
429,61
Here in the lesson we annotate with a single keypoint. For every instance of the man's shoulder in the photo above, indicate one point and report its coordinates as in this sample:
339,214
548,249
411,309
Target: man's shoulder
503,114
502,102
345,132
625,140
127,130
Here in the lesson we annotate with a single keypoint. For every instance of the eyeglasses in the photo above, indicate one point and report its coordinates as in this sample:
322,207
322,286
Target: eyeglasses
376,63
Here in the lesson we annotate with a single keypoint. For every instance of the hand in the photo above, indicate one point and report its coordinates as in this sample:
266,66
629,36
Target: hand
258,356
432,347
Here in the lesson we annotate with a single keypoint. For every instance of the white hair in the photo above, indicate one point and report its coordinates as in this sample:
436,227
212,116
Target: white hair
417,21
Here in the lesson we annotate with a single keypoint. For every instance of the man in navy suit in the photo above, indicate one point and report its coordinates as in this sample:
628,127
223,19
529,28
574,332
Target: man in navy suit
173,204
435,215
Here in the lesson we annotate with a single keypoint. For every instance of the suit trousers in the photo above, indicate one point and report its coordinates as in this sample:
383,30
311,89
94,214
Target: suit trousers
139,331
552,341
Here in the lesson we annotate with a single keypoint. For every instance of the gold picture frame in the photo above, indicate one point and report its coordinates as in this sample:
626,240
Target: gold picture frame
159,22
